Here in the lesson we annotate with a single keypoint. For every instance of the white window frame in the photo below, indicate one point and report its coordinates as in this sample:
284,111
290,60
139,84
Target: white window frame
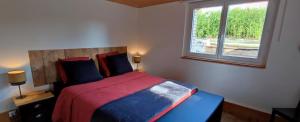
266,37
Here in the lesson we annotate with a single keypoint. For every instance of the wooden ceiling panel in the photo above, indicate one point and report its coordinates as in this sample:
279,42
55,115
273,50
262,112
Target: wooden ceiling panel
142,3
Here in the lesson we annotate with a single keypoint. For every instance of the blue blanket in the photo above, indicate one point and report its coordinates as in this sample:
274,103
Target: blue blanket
143,105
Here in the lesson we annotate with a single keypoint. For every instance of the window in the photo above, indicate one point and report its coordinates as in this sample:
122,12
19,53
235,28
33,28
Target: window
230,31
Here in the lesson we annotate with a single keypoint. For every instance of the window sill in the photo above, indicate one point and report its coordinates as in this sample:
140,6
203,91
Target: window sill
263,66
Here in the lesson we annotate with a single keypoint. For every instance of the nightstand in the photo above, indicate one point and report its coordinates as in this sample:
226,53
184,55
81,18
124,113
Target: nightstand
36,107
139,70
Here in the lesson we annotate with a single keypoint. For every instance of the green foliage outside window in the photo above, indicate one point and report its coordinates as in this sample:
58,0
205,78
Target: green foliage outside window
241,23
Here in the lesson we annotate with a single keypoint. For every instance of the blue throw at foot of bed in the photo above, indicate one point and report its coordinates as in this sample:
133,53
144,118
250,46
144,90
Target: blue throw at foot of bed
144,105
201,107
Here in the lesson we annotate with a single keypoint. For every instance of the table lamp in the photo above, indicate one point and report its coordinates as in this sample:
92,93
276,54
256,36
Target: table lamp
137,59
17,78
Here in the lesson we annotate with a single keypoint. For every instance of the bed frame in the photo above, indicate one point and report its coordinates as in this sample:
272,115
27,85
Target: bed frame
42,62
200,107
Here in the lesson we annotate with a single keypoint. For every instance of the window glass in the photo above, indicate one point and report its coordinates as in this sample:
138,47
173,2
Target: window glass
205,30
245,23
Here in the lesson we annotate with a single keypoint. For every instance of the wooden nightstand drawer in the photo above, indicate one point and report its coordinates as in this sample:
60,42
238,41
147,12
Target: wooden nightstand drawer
40,116
40,111
36,108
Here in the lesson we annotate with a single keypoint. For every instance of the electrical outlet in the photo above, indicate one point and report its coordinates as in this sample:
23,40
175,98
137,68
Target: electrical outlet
12,114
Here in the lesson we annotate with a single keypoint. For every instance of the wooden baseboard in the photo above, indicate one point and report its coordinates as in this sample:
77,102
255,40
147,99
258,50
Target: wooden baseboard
4,117
247,114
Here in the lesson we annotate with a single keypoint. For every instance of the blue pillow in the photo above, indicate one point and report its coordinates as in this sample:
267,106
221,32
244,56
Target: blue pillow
81,71
118,64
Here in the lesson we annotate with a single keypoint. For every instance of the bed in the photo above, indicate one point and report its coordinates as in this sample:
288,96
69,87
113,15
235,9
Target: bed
131,96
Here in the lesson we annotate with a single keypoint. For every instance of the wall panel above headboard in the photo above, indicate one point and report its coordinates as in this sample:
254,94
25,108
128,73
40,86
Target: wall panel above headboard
42,62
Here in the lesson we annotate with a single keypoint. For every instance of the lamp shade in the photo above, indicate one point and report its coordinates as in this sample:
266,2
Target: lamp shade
137,59
17,77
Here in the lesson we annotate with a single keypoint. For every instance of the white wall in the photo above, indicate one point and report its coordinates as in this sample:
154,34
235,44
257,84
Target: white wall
54,24
161,37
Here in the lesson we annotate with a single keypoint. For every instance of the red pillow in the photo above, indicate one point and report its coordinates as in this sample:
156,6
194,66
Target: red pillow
103,63
61,71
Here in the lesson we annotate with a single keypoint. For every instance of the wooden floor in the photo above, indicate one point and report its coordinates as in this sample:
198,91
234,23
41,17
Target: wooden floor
226,117
230,118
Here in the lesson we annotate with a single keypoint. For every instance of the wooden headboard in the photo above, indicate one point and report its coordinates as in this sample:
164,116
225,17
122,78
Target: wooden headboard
42,62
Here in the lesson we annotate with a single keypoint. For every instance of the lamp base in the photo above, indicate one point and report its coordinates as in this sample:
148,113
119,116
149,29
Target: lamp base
21,97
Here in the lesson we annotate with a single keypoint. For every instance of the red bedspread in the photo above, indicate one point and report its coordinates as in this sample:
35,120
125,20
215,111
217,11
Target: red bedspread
78,103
